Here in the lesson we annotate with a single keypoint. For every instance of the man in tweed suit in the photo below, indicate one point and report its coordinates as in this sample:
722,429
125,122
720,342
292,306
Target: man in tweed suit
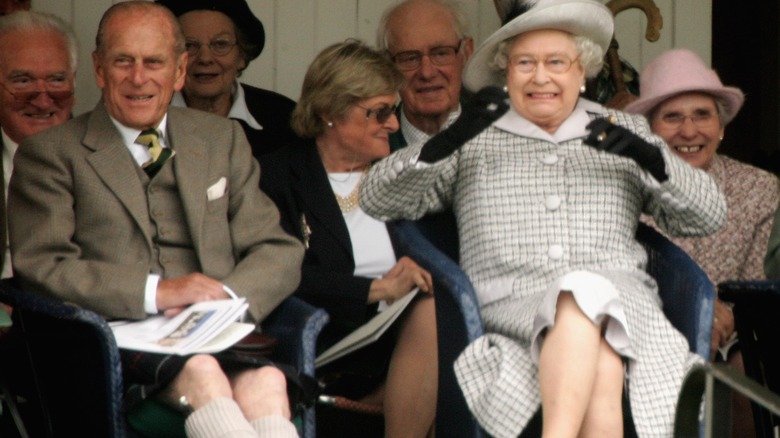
88,225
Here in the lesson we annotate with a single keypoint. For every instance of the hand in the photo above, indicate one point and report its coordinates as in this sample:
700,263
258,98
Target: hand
399,281
477,114
722,326
175,294
618,140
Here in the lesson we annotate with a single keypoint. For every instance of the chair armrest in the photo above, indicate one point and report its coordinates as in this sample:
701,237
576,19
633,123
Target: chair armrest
687,294
73,356
458,321
297,325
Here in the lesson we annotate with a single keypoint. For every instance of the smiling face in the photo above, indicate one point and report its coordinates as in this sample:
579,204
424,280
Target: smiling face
137,69
210,76
33,58
695,142
431,91
543,97
356,140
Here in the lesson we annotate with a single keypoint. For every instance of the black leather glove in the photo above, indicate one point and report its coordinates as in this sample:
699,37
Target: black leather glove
478,113
618,140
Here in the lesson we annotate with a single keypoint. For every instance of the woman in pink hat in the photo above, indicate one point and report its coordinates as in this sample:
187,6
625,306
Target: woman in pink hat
688,106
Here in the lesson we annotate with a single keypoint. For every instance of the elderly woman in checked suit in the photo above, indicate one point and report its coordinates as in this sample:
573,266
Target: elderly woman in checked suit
547,189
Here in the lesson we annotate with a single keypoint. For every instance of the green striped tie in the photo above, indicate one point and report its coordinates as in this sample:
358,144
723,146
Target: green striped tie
150,139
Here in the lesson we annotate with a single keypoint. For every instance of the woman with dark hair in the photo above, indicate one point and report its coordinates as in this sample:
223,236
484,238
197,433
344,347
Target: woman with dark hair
222,38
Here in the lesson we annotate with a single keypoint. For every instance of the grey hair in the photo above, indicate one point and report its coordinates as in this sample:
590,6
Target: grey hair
28,21
590,55
720,106
459,21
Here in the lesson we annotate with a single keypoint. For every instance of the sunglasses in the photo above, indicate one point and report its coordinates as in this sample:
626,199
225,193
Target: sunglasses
381,114
28,96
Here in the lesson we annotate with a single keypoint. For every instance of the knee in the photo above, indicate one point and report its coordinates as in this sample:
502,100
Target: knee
201,367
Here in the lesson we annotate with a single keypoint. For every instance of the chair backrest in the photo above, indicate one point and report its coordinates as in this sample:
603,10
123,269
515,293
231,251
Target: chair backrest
75,365
756,305
687,295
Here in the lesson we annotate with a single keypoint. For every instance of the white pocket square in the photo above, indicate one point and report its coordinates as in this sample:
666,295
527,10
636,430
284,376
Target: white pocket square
217,190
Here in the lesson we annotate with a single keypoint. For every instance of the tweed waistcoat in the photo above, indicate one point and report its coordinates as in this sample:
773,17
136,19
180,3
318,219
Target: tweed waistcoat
174,255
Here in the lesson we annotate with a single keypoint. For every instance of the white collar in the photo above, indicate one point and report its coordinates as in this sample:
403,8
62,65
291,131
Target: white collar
130,134
571,128
8,144
238,109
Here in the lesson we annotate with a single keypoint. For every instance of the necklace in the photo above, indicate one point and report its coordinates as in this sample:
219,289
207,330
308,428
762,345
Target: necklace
350,202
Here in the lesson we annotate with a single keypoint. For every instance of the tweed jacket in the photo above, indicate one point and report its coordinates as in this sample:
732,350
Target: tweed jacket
531,208
736,251
3,217
81,230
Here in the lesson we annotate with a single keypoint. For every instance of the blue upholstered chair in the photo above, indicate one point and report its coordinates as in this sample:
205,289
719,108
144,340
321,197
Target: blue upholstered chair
756,306
76,366
685,290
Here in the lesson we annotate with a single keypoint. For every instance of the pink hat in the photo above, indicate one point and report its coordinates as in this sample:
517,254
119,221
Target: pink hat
680,71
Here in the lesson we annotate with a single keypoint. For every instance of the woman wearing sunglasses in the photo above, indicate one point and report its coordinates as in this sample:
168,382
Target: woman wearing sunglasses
346,111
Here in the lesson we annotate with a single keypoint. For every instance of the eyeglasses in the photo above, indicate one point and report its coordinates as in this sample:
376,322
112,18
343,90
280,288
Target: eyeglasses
26,92
381,114
553,63
700,118
219,47
412,59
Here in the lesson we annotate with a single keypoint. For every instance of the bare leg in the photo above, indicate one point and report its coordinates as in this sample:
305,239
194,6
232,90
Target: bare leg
604,417
201,380
568,365
261,392
412,379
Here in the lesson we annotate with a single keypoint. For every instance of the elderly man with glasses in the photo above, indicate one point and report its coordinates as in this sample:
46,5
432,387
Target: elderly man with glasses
428,41
38,55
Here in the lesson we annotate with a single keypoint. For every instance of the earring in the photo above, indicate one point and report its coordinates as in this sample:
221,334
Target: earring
506,89
582,88
330,124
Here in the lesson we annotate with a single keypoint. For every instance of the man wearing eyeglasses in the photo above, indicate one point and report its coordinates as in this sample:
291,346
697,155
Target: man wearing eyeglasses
428,41
37,65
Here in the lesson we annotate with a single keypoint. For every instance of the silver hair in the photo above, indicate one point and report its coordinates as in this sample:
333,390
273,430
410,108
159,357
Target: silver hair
589,54
28,21
459,21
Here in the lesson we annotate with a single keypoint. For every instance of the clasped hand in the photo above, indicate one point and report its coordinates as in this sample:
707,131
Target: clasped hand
175,294
606,136
477,114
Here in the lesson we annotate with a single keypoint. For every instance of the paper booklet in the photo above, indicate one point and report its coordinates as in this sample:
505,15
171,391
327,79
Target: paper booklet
367,333
205,327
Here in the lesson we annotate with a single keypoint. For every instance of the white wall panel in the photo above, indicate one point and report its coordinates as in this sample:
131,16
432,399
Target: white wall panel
296,30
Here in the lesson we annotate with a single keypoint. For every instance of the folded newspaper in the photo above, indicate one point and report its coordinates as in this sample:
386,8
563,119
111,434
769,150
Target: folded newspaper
205,327
366,333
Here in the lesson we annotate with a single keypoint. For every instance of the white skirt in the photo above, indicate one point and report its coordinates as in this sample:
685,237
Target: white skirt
597,298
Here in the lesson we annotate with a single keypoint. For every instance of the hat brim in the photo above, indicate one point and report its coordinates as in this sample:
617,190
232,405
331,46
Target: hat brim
578,17
732,99
238,12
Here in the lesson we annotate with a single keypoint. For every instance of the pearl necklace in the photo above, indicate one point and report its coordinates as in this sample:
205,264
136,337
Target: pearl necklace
350,202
